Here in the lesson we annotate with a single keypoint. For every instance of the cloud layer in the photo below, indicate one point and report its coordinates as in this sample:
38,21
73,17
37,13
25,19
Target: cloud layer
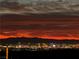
47,27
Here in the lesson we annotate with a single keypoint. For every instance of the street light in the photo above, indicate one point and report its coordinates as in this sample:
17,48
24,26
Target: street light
7,52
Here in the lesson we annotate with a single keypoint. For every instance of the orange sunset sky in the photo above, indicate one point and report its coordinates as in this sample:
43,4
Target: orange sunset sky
59,28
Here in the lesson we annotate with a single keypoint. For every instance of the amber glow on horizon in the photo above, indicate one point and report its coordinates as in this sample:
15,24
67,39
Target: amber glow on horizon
59,28
41,36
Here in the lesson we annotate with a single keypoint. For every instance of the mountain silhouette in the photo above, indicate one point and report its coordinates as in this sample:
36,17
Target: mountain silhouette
37,40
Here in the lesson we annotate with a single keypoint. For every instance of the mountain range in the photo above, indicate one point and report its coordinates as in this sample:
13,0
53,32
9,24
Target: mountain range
37,40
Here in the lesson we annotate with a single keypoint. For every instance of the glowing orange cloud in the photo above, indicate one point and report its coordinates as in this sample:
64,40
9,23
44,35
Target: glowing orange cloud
41,36
5,36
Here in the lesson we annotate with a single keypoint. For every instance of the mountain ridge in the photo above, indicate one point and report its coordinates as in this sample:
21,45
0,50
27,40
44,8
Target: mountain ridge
38,40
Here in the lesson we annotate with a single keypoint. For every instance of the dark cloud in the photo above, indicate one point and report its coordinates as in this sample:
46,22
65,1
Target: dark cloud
40,26
52,26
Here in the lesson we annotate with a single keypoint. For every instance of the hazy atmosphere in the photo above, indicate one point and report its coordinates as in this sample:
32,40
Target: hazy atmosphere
25,1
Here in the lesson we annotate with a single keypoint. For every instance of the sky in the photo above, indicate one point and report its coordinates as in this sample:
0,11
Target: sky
47,27
24,1
75,1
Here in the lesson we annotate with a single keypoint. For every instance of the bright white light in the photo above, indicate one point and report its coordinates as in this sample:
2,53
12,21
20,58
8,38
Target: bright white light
54,45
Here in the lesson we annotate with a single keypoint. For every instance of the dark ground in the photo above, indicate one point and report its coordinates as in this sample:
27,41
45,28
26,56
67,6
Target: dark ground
22,54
